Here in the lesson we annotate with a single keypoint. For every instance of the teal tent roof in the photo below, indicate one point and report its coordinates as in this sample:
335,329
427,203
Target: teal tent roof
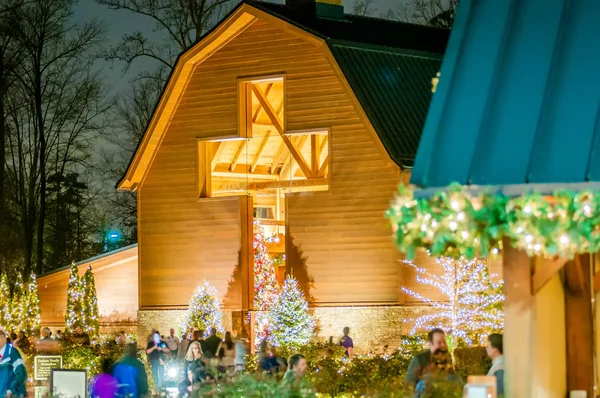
518,102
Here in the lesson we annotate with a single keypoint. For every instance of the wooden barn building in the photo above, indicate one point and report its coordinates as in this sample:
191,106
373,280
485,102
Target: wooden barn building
305,118
300,117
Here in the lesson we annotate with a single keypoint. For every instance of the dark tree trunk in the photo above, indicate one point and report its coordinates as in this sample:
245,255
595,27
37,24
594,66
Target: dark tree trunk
2,140
42,139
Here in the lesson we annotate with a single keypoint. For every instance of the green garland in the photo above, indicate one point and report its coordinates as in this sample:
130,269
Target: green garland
455,223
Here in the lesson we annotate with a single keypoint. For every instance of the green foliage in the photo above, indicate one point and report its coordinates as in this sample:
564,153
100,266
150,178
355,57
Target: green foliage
290,323
471,361
454,223
74,297
5,316
89,313
204,310
247,386
33,320
18,305
369,375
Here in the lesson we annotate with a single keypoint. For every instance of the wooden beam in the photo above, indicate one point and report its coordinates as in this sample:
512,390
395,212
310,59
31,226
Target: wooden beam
293,166
251,187
284,172
220,146
247,251
235,175
259,108
579,321
519,315
259,151
277,158
323,143
545,269
597,281
313,182
279,127
314,155
236,157
324,167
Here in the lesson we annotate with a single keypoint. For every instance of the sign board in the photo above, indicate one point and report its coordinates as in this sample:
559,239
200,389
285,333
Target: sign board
68,383
43,365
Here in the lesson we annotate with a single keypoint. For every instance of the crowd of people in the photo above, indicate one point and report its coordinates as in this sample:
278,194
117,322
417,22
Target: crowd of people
204,360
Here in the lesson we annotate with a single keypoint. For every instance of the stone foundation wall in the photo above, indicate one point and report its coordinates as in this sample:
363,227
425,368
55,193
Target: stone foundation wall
371,328
163,320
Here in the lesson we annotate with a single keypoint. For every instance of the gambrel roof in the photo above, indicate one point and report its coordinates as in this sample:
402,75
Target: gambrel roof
388,65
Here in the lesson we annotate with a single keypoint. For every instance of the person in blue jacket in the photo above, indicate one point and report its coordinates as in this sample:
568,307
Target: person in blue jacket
130,374
13,374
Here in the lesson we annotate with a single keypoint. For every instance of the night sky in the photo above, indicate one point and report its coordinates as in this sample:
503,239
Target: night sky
121,22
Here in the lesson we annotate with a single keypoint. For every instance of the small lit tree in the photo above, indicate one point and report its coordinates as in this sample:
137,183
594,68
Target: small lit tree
74,298
5,318
290,323
89,313
204,311
33,319
266,288
474,307
18,306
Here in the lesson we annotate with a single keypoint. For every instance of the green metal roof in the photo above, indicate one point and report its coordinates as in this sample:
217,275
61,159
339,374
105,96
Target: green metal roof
394,89
389,66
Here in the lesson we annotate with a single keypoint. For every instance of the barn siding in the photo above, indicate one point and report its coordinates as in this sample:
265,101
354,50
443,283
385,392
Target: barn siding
116,277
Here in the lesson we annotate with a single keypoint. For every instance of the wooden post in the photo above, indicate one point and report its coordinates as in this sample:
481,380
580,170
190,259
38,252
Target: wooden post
247,259
518,322
579,325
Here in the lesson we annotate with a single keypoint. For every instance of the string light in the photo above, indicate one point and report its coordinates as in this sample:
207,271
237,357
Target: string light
290,323
73,314
33,320
89,314
82,303
5,313
474,305
266,288
204,311
18,305
455,223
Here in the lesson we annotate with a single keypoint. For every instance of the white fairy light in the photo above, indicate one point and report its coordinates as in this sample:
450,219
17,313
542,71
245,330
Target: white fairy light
474,301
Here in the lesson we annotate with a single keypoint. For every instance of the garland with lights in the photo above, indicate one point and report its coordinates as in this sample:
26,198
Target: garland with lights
474,307
455,223
73,314
290,324
89,310
204,311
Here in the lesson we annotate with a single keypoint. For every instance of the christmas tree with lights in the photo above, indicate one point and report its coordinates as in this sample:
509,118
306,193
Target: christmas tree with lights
266,288
89,305
33,319
18,306
204,311
474,307
73,315
290,324
5,318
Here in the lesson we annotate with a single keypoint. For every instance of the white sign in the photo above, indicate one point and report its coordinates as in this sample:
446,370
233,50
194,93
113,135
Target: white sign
68,383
